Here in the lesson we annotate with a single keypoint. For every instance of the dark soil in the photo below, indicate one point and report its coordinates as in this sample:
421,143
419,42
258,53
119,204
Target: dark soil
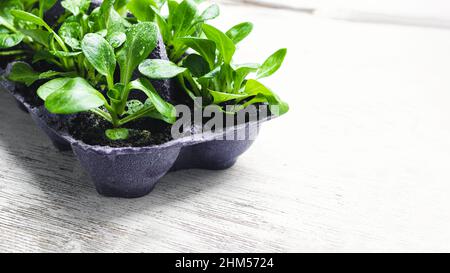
90,129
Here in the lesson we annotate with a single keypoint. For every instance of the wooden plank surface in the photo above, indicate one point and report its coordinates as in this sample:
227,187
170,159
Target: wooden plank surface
361,163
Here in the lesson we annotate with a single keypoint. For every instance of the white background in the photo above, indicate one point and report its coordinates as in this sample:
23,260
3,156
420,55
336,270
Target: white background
416,12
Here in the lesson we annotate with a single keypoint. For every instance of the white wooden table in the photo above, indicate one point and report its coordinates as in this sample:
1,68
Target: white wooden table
361,163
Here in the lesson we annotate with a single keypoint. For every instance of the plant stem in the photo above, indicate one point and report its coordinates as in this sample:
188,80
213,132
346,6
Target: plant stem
176,54
10,27
113,114
216,84
41,9
189,92
102,114
110,82
137,115
68,65
81,67
12,52
193,84
123,99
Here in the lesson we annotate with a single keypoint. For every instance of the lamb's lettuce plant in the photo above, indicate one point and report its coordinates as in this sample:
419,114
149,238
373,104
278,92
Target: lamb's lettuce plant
96,54
184,19
12,33
213,76
62,48
73,95
211,73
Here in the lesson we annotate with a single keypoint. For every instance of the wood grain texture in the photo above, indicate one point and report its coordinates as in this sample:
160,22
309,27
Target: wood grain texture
361,163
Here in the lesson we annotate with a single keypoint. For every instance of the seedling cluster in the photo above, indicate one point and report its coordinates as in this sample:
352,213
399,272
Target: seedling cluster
98,55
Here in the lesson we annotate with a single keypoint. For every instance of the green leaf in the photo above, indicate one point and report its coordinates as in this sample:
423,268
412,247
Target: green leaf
102,17
38,35
196,65
241,72
42,55
277,106
64,54
107,17
249,67
12,52
240,32
272,64
133,106
103,33
10,40
163,107
99,54
160,3
213,74
117,39
120,6
210,13
156,115
141,40
24,73
114,94
75,96
206,48
76,6
50,74
48,4
224,44
117,134
4,23
142,9
29,17
220,97
50,87
116,23
6,6
183,18
172,5
147,109
163,26
160,69
70,32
